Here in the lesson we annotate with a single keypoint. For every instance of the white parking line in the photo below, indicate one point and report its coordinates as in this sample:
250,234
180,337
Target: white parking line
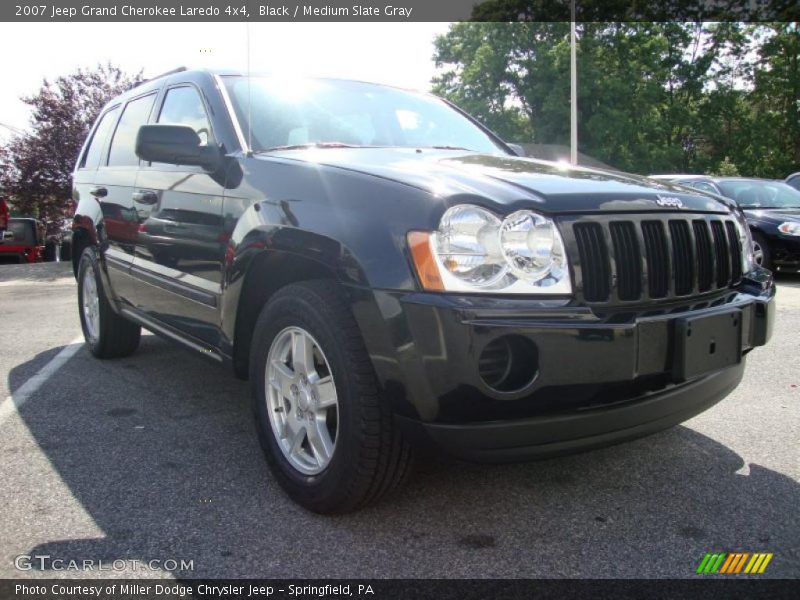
10,405
38,283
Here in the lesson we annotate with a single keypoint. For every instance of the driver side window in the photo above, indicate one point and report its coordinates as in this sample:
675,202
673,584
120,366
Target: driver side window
183,106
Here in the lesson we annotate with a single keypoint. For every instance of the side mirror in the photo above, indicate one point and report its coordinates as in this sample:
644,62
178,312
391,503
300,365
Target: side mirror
7,235
175,145
517,149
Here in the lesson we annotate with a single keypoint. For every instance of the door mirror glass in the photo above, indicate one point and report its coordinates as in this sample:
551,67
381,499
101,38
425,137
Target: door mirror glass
175,145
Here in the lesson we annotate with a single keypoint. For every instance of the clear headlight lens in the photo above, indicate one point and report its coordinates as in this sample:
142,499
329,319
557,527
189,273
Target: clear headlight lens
746,241
790,228
532,246
467,246
474,251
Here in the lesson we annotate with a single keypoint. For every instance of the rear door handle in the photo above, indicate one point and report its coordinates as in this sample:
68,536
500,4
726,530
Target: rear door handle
99,192
145,197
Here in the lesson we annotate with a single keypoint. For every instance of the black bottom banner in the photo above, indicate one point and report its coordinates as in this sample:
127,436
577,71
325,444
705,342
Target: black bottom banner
379,589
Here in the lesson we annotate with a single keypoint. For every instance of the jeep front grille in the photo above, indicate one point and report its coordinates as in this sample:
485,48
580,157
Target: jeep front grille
636,258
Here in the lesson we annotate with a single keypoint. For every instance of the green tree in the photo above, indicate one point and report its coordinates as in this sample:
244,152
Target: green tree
726,169
776,96
637,82
652,97
488,72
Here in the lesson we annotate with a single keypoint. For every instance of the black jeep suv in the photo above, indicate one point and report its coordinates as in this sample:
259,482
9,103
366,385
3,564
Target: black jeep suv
388,273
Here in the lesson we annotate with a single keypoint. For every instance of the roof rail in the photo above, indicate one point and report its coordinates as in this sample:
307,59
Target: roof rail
172,72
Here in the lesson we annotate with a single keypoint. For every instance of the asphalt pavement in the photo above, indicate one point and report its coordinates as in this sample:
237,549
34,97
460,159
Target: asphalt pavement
154,458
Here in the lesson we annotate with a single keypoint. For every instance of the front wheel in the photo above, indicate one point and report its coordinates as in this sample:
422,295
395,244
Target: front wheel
761,254
107,334
327,435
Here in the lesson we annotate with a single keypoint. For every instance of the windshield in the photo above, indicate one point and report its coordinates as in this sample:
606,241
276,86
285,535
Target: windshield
346,113
761,194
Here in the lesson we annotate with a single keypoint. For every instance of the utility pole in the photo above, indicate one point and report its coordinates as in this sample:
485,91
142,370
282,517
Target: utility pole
573,90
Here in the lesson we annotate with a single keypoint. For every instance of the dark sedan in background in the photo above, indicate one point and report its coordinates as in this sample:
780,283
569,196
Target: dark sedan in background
772,209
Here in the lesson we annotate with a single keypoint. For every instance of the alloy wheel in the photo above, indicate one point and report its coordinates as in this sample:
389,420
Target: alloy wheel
90,304
758,254
302,403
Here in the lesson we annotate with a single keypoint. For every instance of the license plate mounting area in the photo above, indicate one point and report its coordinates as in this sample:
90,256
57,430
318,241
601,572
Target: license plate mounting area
707,343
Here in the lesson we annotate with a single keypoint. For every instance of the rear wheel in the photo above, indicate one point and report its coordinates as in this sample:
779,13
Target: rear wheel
328,437
761,253
107,334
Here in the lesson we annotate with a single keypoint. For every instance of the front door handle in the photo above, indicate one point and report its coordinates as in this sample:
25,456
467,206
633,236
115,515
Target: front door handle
99,192
145,197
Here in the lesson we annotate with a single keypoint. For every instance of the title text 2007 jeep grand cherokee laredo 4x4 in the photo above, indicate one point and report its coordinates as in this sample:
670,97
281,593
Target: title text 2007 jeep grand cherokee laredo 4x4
387,272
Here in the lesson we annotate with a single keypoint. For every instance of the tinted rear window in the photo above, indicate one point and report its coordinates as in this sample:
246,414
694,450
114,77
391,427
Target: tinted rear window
122,153
24,233
91,159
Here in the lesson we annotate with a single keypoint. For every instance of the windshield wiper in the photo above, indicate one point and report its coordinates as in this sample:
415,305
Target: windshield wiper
448,148
311,145
759,207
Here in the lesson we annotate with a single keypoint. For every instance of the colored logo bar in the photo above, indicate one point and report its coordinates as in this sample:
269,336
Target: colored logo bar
732,563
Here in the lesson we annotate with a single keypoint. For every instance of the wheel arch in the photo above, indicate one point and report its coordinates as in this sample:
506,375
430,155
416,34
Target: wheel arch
81,239
267,273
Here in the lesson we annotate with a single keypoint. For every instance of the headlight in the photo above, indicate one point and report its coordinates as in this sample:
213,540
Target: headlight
474,251
467,246
533,247
789,228
745,240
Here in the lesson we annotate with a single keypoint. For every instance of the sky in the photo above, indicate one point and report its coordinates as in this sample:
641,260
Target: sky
396,53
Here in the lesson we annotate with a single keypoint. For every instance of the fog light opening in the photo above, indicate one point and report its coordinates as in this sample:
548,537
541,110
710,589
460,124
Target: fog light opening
509,363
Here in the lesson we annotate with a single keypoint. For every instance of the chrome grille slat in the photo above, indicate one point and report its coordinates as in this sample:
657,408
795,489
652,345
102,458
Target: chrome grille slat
655,245
721,254
735,251
627,260
594,259
682,257
705,256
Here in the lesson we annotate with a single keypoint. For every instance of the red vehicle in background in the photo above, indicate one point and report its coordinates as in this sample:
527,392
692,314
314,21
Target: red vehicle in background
5,213
22,240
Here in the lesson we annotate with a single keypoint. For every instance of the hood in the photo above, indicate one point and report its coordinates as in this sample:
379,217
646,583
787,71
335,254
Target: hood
774,215
513,181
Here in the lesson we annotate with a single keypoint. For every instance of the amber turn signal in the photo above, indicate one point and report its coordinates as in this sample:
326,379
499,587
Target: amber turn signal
424,261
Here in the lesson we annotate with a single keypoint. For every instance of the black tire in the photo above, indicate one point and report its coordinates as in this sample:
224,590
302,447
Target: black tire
65,251
759,241
370,458
50,251
117,337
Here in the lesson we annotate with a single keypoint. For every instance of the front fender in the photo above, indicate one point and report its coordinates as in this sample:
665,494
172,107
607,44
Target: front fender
278,243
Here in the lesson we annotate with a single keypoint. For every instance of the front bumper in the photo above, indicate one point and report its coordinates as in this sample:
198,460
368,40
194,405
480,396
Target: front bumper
580,430
599,379
23,254
785,252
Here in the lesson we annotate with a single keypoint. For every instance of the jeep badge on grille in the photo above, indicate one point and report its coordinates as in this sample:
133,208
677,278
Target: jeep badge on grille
670,201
